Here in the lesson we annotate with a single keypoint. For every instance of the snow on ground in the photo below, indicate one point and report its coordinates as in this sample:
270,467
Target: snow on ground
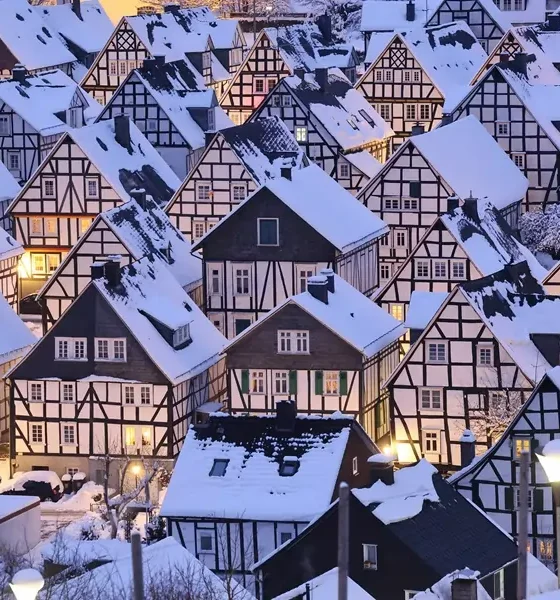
80,502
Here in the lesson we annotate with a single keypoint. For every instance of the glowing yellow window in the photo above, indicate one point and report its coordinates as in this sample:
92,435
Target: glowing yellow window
130,436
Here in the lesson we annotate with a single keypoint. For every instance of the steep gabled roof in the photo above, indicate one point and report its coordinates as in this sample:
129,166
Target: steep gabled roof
16,336
390,15
325,586
9,187
498,16
29,38
39,98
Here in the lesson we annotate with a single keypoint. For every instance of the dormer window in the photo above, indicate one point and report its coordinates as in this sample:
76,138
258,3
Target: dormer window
181,336
219,467
211,119
289,466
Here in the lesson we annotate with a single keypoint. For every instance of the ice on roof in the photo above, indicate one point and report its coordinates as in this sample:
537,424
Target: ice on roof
90,31
137,166
29,38
423,306
9,188
325,587
148,289
251,487
38,100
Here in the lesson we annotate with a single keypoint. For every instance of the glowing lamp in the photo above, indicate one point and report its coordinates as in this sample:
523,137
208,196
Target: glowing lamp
136,469
26,584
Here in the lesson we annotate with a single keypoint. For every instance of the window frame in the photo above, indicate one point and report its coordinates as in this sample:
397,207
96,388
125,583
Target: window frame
7,131
44,182
88,194
9,156
205,532
344,166
33,396
483,347
40,428
367,563
64,388
242,275
72,355
301,133
423,263
236,187
441,265
507,127
258,377
292,336
430,391
334,377
519,155
71,427
516,454
458,263
259,221
437,440
436,361
198,186
282,377
111,345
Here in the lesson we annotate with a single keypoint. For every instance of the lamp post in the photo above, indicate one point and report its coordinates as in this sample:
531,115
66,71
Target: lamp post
550,462
26,584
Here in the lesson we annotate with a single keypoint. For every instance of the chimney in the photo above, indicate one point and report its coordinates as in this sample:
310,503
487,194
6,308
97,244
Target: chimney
318,287
382,468
470,207
171,7
446,119
19,73
148,64
520,62
329,274
554,22
417,129
325,27
299,72
463,588
467,442
122,130
322,77
504,58
286,413
286,173
139,194
97,270
113,271
410,11
452,203
77,8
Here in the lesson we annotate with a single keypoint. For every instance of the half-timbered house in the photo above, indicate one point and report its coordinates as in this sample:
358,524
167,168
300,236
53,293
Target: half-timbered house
35,110
15,341
465,244
522,116
10,253
234,164
328,349
130,231
481,353
125,381
334,124
431,172
289,229
212,45
9,189
244,485
172,107
26,39
276,53
492,481
89,170
414,74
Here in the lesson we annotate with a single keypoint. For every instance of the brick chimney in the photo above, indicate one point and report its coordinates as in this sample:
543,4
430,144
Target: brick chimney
382,468
410,11
122,130
464,588
318,287
19,73
329,274
113,271
468,443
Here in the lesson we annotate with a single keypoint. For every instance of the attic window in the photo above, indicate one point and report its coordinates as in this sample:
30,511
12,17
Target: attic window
289,466
352,123
219,467
181,335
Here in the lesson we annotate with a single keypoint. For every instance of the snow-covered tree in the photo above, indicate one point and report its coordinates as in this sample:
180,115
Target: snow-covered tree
540,230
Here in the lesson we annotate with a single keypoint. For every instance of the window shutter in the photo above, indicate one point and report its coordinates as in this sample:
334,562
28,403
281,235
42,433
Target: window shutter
293,382
245,381
343,383
319,383
508,498
414,189
538,500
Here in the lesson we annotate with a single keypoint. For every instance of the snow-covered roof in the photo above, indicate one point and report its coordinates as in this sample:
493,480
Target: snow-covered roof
137,166
179,90
542,45
349,314
251,487
470,160
16,504
442,589
16,336
365,162
423,306
9,246
9,188
164,561
28,37
325,587
149,295
389,15
534,13
40,97
323,204
341,109
89,31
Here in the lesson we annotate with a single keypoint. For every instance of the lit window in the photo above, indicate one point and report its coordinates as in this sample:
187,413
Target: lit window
458,269
370,556
92,188
84,224
521,444
545,550
128,394
423,269
68,392
518,159
281,382
219,467
50,227
485,355
130,436
146,437
36,226
518,499
53,260
36,392
502,129
431,441
48,188
242,282
301,134
68,434
440,269
437,352
238,193
343,170
145,395
257,382
268,232
289,467
397,311
38,264
36,433
203,192
331,383
407,76
430,399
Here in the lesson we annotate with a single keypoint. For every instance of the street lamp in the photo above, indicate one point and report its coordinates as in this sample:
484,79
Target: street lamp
550,462
26,584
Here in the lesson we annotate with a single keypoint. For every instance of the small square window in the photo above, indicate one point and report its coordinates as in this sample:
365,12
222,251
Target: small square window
219,467
343,170
301,134
238,193
268,234
205,542
521,444
437,352
431,399
203,192
518,159
422,269
440,269
502,129
257,382
370,556
331,383
289,467
198,229
397,311
485,355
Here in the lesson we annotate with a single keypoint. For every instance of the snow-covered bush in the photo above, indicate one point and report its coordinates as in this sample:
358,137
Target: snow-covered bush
540,230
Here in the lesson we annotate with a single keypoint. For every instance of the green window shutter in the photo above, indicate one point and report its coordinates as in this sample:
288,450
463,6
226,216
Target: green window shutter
245,381
343,383
508,498
538,500
293,382
319,383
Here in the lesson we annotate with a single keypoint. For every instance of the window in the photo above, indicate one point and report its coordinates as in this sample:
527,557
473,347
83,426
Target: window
285,536
36,226
270,84
301,134
145,395
68,434
400,239
410,203
521,444
259,85
257,382
410,112
268,234
545,550
407,76
414,189
286,100
431,399
276,100
70,348
370,556
422,269
281,382
355,465
112,67
344,170
518,159
440,269
205,542
110,349
416,77
485,355
242,281
146,437
437,352
397,311
238,193
331,386
129,394
409,594
181,336
392,203
48,188
198,229
219,467
36,433
288,467
431,441
50,227
378,75
502,129
303,275
14,163
387,75
53,260
385,111
293,342
84,224
123,67
499,586
68,392
211,119
385,271
130,436
458,269
92,188
203,191
38,264
518,499
5,127
215,281
36,392
425,112
101,349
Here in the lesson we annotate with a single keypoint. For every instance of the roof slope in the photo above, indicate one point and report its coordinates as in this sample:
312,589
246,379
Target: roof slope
542,45
9,187
389,15
252,487
148,288
28,37
9,246
16,336
126,169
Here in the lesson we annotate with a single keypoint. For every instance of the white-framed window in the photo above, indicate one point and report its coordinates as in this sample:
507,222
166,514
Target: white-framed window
203,191
431,399
416,76
281,382
129,394
407,76
331,383
518,159
36,433
36,392
458,269
68,436
242,277
270,83
215,282
48,187
75,117
112,67
437,352
68,392
521,444
110,349
422,268
36,226
301,133
259,85
205,541
431,441
343,170
199,229
293,342
410,112
238,192
400,239
369,552
409,204
5,125
379,75
355,469
384,272
397,311
485,355
387,75
92,188
268,232
14,161
304,273
385,111
219,467
123,67
286,100
502,128
181,335
257,382
67,348
499,585
51,228
425,112
518,498
145,395
440,269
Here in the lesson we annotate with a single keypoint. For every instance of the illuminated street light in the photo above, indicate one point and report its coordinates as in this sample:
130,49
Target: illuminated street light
26,584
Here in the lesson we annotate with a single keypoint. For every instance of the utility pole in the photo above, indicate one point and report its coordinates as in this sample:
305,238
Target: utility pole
343,539
137,574
254,20
522,526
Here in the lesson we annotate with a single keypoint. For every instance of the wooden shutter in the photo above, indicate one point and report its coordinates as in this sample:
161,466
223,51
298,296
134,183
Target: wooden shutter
245,381
538,500
293,382
343,383
319,383
508,498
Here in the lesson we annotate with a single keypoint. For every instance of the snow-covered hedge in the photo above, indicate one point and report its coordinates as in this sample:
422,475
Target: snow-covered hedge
540,231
